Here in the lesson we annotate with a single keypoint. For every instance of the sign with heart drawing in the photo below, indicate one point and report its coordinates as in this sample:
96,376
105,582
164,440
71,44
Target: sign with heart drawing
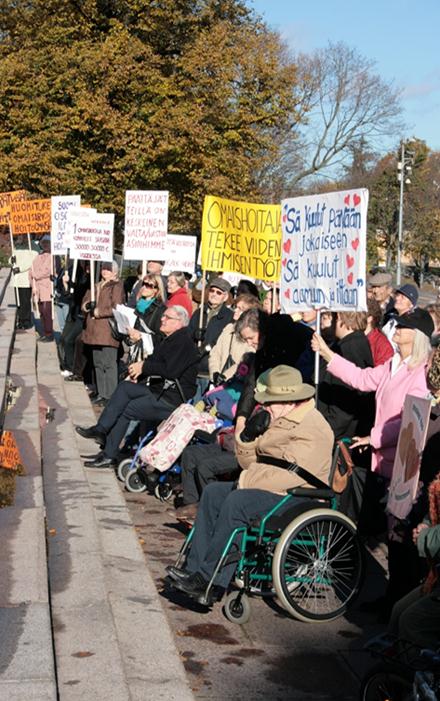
323,263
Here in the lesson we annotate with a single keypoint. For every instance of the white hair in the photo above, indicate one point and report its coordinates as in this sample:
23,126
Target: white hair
181,313
421,350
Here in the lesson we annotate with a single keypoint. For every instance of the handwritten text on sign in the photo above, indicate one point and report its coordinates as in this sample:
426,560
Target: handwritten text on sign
146,224
240,237
5,204
324,251
59,209
9,453
30,217
180,253
92,236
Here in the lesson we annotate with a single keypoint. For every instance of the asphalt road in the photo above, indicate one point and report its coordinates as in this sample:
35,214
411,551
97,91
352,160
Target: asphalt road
272,656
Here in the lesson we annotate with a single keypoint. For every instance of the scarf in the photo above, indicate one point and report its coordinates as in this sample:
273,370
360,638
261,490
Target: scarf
143,304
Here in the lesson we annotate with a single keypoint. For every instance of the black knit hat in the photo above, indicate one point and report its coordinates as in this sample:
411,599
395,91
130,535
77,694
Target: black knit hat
417,319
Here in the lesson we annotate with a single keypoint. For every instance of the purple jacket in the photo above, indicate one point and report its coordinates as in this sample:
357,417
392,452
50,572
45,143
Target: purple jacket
390,396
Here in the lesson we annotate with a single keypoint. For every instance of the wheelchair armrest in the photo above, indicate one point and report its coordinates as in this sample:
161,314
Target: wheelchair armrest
311,492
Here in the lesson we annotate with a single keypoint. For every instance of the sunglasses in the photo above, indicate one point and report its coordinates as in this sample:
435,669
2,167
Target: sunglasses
149,285
216,291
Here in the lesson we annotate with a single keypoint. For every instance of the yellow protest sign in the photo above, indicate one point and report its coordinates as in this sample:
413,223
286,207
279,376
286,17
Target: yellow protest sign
31,217
241,237
10,457
5,204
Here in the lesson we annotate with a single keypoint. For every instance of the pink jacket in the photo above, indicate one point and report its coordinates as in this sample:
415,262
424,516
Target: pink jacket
390,396
39,276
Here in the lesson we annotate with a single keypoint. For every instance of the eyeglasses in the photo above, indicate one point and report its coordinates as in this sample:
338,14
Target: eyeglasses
172,318
216,291
149,285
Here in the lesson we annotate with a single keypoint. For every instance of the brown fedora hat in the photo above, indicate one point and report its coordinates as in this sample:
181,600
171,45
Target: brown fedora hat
282,384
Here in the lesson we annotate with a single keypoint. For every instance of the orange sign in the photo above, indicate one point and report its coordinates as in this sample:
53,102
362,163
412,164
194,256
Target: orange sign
31,217
5,204
10,457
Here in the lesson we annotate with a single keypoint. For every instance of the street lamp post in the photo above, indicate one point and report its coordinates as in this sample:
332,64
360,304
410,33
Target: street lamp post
404,170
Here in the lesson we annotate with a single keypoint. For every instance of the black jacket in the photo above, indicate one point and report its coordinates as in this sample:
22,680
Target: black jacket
210,331
348,411
151,319
175,358
285,342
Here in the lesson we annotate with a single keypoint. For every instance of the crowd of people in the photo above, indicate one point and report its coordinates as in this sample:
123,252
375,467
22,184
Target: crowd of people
179,350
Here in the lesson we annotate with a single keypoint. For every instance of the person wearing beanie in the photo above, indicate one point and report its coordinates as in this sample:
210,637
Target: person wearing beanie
405,299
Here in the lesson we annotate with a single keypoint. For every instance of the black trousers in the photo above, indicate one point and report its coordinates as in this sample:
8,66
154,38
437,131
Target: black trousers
201,464
24,306
71,331
129,402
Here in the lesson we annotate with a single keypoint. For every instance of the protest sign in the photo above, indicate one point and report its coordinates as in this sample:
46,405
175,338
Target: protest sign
5,204
60,206
146,224
91,235
30,217
406,468
180,253
75,216
323,258
9,453
241,237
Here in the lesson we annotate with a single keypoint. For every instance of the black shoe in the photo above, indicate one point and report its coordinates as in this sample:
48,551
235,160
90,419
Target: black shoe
102,462
92,432
99,401
45,339
195,587
178,574
73,378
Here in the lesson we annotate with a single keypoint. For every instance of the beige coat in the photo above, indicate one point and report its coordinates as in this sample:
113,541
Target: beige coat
303,436
23,261
227,343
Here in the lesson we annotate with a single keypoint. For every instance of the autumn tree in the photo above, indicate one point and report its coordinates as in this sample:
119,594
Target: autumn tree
100,96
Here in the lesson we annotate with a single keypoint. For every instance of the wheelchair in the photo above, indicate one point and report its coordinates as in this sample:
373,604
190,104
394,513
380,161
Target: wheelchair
307,555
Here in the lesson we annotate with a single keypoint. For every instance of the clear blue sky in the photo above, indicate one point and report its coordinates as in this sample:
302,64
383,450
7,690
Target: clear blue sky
401,36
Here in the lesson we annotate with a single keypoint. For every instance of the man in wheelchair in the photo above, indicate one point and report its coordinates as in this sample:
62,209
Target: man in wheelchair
290,430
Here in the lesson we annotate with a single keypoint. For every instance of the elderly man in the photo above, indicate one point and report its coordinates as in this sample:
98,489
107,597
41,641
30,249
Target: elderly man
175,358
405,300
215,316
289,428
380,285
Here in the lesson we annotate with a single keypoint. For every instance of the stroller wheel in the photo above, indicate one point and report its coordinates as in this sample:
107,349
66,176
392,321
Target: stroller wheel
124,468
163,491
133,482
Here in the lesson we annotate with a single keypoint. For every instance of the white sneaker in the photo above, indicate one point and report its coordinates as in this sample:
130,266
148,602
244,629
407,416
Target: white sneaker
66,373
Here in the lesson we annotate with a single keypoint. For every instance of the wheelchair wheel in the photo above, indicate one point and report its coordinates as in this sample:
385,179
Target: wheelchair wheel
236,609
133,482
317,565
124,468
163,491
383,684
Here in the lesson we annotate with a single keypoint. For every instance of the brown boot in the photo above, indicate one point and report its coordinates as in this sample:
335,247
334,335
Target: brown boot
187,513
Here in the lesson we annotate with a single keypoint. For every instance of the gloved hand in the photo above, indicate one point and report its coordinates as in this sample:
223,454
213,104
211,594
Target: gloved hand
90,306
255,426
199,335
218,379
13,260
15,271
53,278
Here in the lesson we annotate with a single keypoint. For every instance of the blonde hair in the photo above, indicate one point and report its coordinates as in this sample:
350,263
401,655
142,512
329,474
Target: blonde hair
356,321
421,350
157,280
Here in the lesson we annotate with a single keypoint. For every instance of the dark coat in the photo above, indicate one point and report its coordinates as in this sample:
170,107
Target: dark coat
97,330
176,357
152,319
285,342
348,411
210,331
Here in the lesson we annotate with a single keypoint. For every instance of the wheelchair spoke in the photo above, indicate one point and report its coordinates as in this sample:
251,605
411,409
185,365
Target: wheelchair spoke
320,566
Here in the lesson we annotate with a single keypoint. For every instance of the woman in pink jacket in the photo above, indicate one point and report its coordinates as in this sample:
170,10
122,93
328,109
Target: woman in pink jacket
40,279
404,373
